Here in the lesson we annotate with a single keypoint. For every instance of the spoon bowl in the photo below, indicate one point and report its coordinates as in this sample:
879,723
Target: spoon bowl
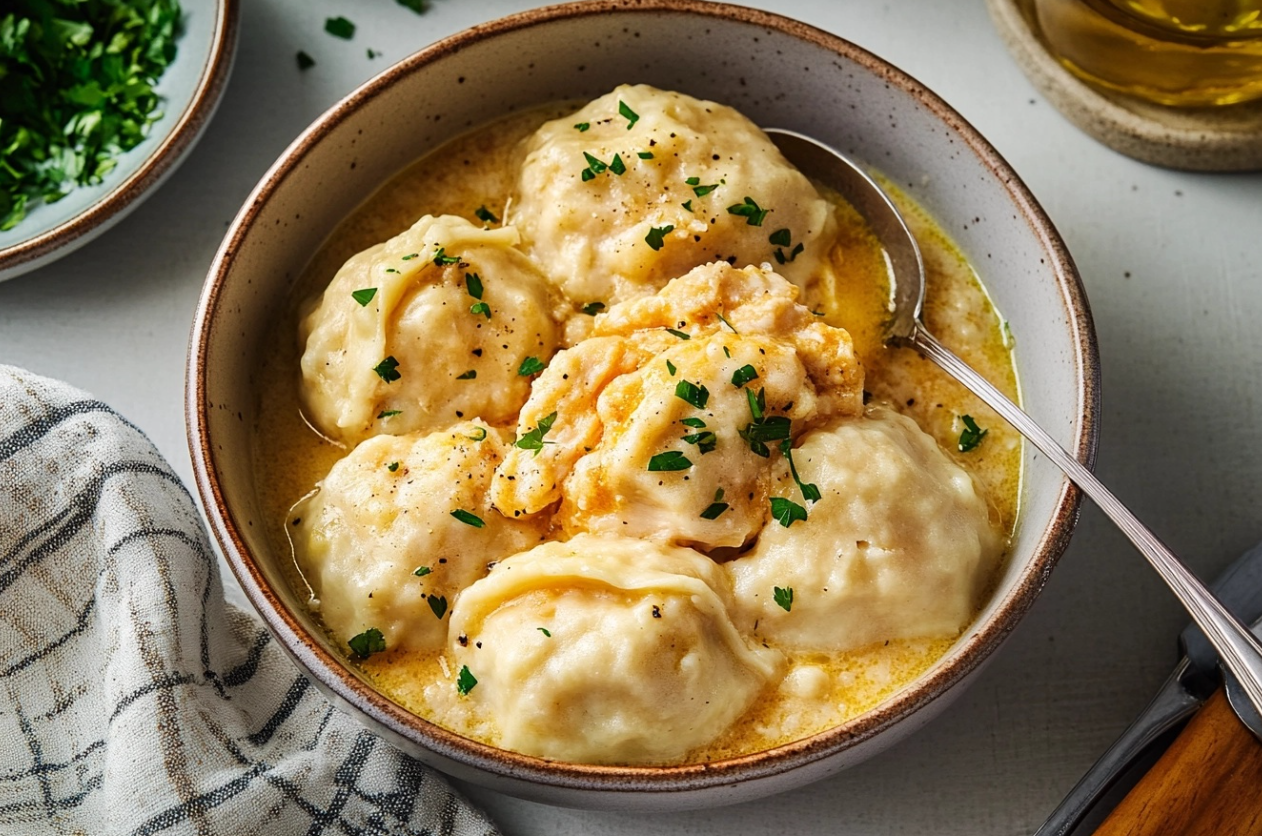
1239,649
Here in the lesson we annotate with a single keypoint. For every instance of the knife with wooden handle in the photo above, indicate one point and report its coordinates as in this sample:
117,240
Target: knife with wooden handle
1208,783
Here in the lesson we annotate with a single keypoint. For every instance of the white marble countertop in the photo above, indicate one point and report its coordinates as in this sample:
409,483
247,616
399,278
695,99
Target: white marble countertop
1171,265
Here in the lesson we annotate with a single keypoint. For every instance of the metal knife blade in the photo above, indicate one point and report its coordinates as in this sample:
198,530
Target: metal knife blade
1239,587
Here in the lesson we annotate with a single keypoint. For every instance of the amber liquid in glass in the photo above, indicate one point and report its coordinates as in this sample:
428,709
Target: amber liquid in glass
1173,52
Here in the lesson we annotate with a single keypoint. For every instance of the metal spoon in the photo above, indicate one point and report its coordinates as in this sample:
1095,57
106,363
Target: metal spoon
1238,648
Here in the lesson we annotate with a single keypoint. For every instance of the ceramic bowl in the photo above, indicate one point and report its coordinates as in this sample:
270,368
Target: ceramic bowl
190,88
780,73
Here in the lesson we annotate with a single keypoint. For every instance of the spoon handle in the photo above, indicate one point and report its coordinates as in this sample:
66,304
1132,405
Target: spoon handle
1238,648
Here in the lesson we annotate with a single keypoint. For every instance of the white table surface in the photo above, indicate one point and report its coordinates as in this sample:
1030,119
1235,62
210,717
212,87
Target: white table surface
1172,271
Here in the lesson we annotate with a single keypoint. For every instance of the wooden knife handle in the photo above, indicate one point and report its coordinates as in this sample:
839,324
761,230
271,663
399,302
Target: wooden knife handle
1208,783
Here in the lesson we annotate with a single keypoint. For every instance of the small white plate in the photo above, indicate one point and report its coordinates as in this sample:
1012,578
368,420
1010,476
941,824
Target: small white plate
190,88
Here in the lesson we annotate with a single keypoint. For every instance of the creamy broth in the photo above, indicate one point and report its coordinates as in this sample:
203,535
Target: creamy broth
819,690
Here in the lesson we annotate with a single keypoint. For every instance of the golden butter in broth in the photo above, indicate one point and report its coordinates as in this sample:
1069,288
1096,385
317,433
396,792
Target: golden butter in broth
819,691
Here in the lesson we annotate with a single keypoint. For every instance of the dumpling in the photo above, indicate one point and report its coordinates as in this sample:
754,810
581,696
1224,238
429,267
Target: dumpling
396,506
426,329
899,545
606,650
656,184
666,423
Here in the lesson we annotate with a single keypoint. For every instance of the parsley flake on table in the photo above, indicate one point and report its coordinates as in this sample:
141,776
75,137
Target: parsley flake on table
696,395
363,297
418,6
743,375
529,366
593,308
77,90
786,511
339,27
784,598
656,237
421,571
485,215
467,518
972,434
472,374
671,460
750,211
305,61
533,440
438,604
367,643
627,113
716,508
466,681
388,369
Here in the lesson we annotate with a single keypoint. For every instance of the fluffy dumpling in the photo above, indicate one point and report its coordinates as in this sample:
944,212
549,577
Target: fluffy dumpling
397,506
899,545
656,184
666,423
426,329
606,650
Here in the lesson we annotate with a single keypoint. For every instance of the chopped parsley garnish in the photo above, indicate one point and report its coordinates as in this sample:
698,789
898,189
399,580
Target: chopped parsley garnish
687,204
392,467
479,434
655,238
389,413
391,270
480,308
750,211
473,283
695,423
784,598
467,518
441,257
696,395
702,191
76,90
972,434
644,155
437,603
683,335
418,6
723,319
781,258
781,238
363,297
466,681
367,643
485,215
529,366
763,427
716,508
339,27
533,440
544,630
469,375
411,256
786,511
706,441
593,308
810,491
670,367
627,113
727,352
421,571
582,127
670,460
305,61
388,369
372,53
692,181
588,175
743,375
594,165
617,166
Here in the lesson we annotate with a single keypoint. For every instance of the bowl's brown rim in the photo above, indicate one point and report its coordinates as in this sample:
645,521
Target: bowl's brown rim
332,672
182,134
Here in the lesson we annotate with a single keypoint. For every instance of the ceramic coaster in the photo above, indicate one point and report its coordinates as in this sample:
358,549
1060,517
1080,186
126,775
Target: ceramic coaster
1225,138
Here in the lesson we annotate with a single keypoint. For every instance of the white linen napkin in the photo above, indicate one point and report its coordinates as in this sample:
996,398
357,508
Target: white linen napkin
133,699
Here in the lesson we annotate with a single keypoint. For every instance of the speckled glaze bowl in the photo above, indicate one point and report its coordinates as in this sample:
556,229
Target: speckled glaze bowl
780,73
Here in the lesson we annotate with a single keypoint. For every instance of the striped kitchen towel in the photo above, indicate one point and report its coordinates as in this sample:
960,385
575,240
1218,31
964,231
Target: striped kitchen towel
133,699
